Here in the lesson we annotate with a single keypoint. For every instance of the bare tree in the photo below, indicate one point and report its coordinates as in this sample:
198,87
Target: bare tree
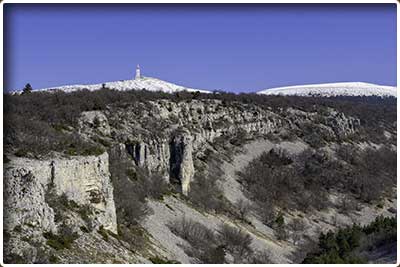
261,257
243,208
236,242
297,227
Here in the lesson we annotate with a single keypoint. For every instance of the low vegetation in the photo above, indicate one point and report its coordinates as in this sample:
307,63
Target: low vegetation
354,244
277,181
158,260
62,240
209,246
205,191
132,186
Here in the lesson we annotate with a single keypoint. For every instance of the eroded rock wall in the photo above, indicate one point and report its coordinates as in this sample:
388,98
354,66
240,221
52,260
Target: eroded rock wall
85,180
164,136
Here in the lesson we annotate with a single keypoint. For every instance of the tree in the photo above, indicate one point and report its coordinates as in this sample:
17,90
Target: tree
243,208
27,89
236,242
297,227
280,220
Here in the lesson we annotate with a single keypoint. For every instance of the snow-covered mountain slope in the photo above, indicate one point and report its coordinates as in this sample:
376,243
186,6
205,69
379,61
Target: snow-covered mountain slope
148,83
334,89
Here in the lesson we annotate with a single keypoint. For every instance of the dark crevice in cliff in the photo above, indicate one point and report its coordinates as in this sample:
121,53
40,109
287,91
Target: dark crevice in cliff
175,160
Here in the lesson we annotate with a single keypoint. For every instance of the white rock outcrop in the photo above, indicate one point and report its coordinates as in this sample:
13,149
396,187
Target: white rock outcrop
85,180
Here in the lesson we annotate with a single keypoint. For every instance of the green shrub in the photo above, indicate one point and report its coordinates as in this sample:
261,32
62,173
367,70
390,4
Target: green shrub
54,259
6,159
84,229
21,153
280,220
158,260
103,232
18,228
85,211
61,241
347,244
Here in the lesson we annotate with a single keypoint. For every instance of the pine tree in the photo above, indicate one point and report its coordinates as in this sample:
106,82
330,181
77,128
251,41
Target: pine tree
27,89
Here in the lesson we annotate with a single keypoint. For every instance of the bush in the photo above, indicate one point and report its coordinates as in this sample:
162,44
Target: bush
61,241
195,233
203,243
206,194
129,197
297,229
54,259
158,260
208,246
236,242
243,208
213,255
103,232
275,180
261,257
62,205
348,244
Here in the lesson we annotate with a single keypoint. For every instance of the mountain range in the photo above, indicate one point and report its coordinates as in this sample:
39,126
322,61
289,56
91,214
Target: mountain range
324,89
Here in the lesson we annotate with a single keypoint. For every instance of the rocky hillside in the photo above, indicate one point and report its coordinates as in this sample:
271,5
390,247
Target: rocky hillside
150,177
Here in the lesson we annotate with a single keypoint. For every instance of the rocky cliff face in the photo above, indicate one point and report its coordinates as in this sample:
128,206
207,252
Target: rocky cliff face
24,195
165,136
85,180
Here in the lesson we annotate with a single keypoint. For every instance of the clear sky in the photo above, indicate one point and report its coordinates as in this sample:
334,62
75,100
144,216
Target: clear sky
240,48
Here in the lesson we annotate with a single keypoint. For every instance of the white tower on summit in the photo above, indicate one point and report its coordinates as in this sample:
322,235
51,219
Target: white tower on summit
137,77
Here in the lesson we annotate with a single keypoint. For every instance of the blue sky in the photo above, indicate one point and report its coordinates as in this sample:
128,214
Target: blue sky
239,48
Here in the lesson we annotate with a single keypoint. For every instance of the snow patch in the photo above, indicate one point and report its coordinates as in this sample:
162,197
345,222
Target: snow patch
148,83
334,89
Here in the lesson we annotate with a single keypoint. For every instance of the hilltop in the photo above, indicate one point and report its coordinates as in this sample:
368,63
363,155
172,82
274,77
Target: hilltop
334,89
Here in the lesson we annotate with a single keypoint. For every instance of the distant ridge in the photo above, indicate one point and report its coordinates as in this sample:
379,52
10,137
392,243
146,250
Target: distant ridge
334,89
157,85
148,83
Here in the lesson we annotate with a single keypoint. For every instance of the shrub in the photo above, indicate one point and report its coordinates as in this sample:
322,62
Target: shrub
261,257
347,244
206,194
275,180
129,196
279,221
61,241
134,235
236,241
281,233
103,232
297,228
213,255
54,259
195,233
203,243
158,260
348,204
62,204
243,208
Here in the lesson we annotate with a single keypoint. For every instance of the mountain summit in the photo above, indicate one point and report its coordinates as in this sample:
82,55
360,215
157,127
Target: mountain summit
148,83
334,89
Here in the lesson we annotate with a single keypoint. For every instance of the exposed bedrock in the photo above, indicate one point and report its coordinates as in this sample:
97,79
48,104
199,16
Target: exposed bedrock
85,180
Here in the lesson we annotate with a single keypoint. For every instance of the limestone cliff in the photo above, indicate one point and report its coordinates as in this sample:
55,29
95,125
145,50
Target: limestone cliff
84,180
